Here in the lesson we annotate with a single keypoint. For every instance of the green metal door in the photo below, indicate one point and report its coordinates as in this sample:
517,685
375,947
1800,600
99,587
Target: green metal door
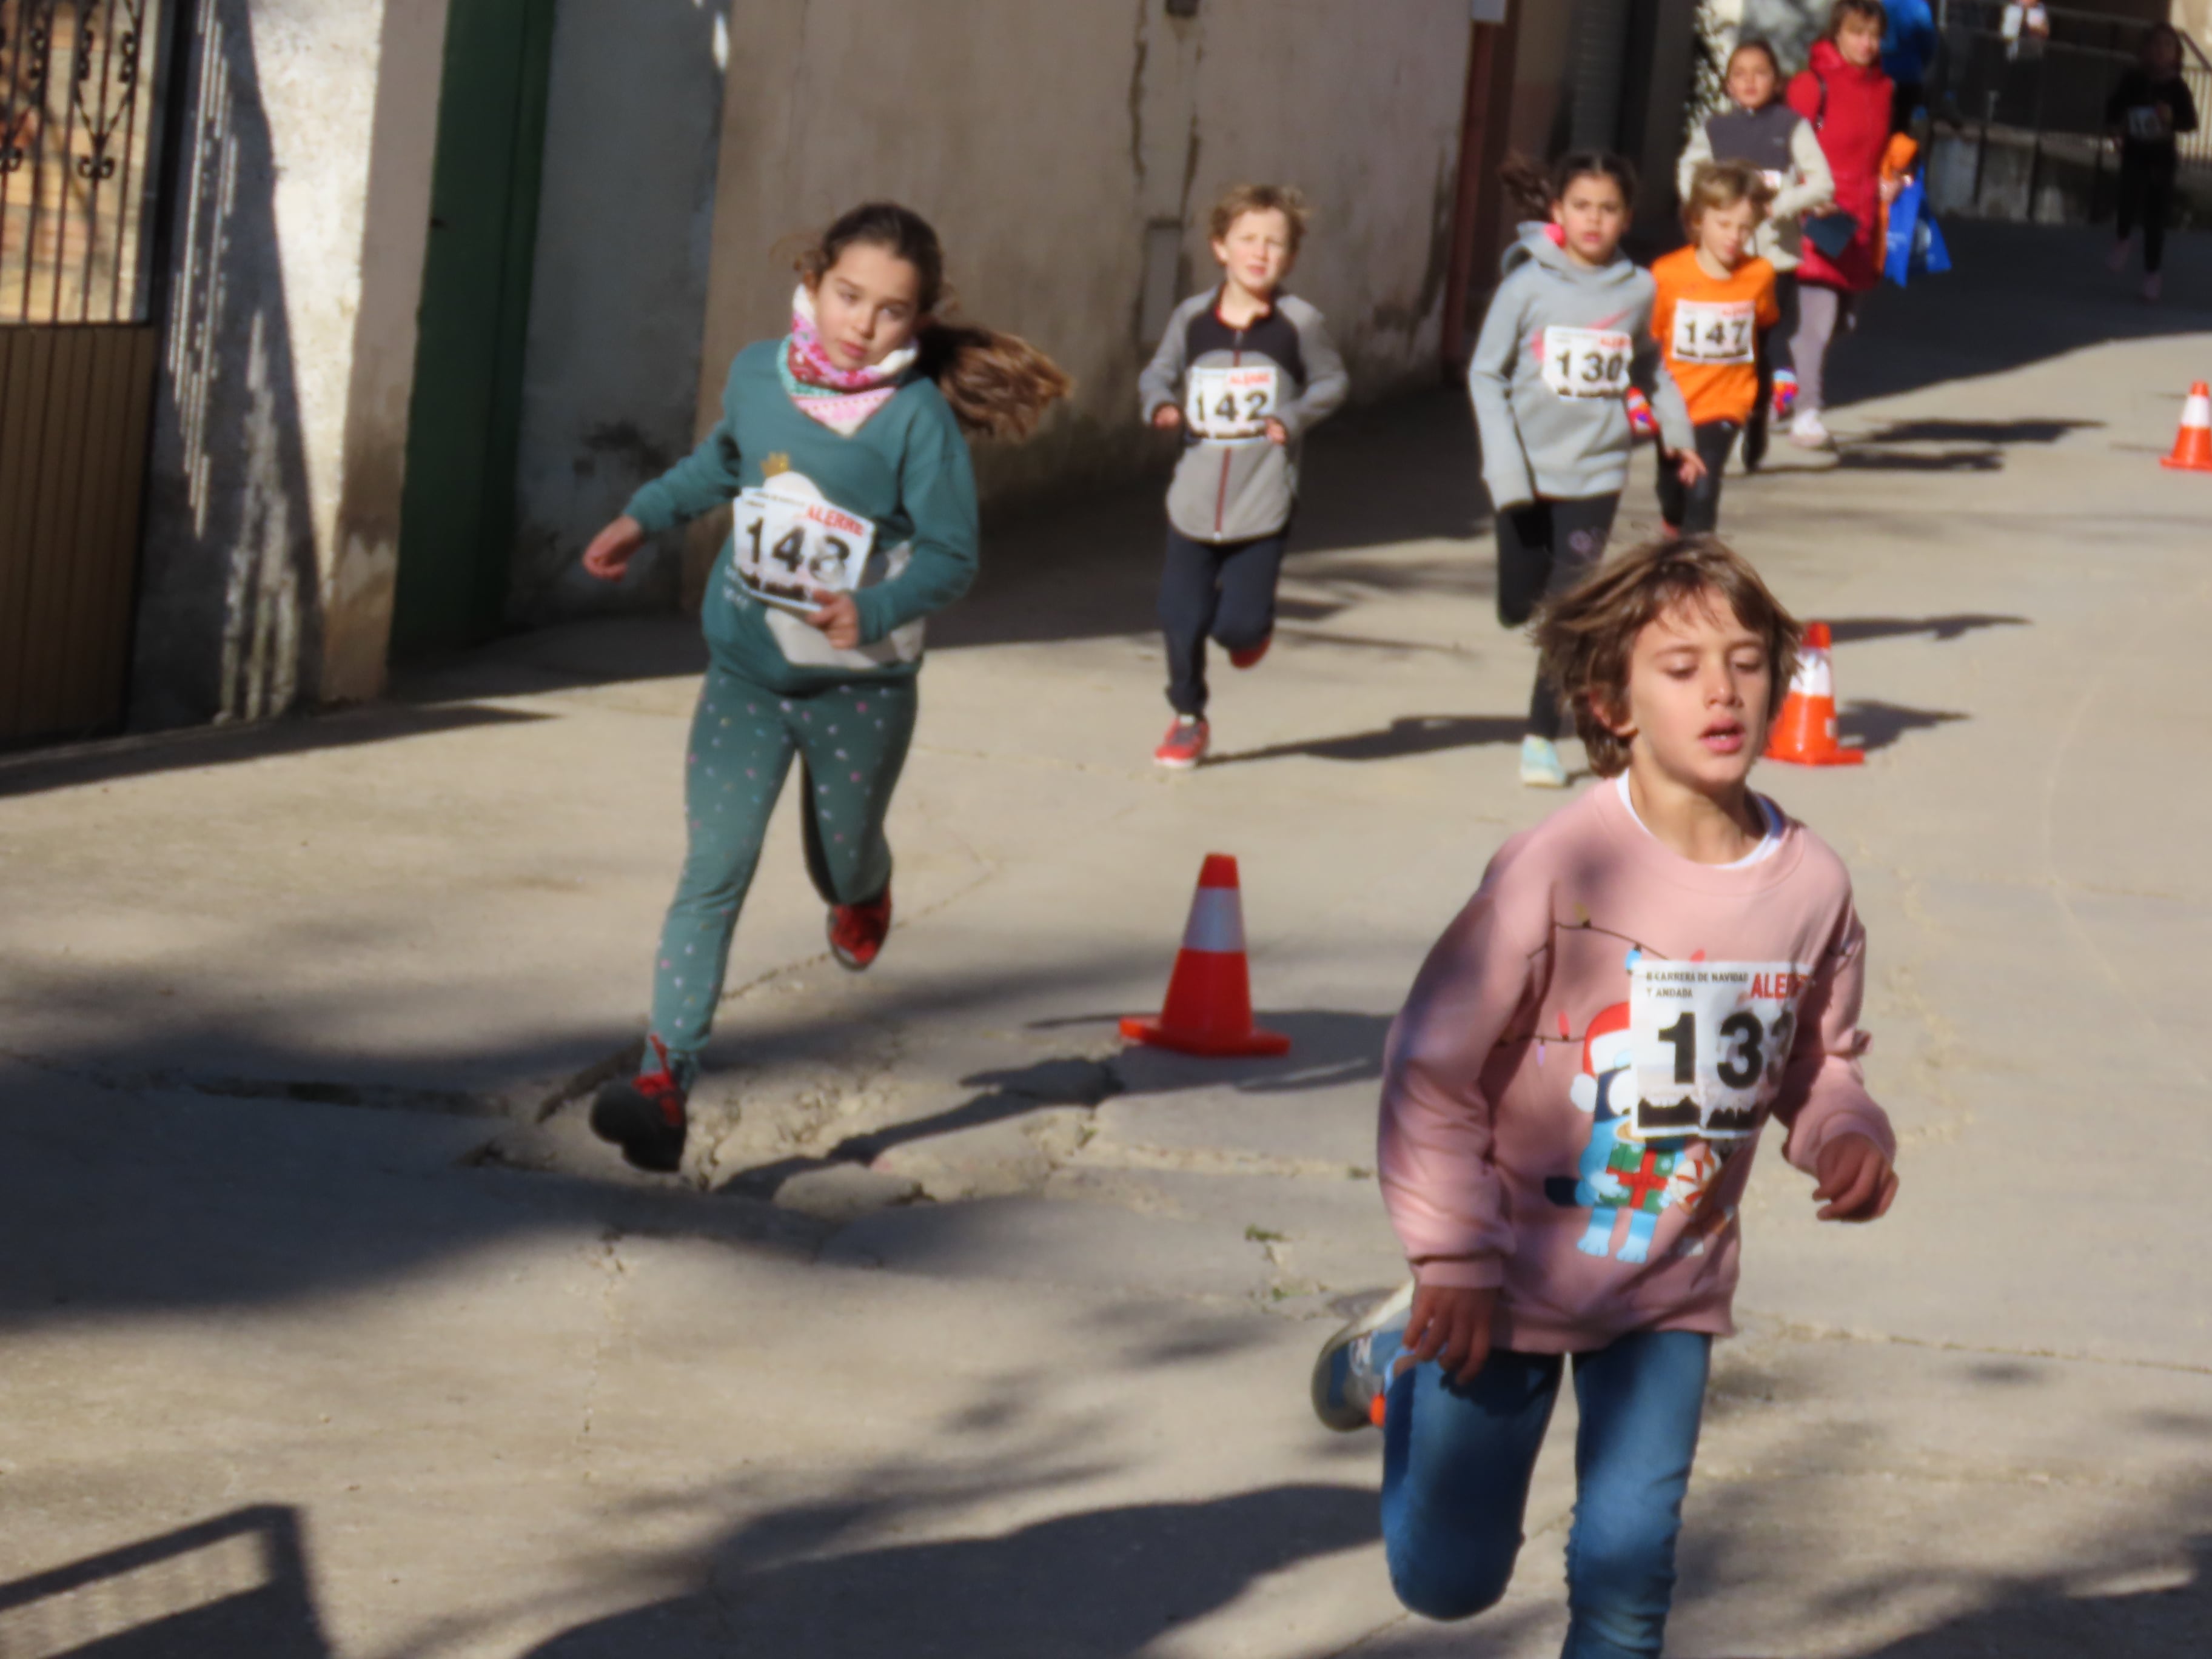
457,511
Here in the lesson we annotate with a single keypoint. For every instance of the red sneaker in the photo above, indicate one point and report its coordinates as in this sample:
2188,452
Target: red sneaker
644,1116
1250,655
857,930
1184,746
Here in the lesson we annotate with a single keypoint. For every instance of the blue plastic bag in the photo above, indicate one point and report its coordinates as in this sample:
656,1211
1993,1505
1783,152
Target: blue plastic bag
1915,245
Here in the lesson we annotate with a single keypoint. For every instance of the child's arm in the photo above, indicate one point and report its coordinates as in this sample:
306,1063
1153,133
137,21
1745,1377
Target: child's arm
1823,1100
1327,382
937,488
2184,107
1676,434
1490,385
1815,189
1161,384
1446,1199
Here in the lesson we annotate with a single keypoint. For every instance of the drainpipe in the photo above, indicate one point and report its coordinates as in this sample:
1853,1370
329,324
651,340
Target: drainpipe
1482,139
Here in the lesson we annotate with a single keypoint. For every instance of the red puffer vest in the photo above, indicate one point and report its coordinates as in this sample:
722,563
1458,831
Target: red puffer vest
1854,128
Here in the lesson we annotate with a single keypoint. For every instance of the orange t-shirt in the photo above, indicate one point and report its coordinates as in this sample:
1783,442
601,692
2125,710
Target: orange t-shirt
1710,331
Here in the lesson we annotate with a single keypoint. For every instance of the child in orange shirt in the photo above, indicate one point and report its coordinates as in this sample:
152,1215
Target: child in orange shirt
1715,300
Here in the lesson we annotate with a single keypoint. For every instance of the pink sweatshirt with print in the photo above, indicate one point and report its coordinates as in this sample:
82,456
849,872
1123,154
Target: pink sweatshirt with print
1575,1088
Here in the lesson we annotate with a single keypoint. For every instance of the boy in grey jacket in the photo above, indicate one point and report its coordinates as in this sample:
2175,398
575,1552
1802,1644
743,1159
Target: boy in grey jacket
1568,332
1244,370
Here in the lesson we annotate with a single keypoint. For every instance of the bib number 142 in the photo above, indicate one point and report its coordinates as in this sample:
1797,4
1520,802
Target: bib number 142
1712,1040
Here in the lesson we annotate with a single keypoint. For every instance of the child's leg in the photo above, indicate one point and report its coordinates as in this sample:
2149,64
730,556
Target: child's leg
1455,1468
1673,499
2157,208
1579,530
1701,510
1245,612
740,751
1642,1401
1190,594
1785,300
1818,308
852,740
2128,206
1524,562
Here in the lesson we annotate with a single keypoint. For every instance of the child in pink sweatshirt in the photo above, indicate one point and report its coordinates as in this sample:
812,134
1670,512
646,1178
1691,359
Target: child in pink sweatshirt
1573,1095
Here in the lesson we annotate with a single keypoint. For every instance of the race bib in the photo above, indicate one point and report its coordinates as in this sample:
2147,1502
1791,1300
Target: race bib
1715,332
1712,1040
1777,180
1587,362
1232,405
2143,122
794,548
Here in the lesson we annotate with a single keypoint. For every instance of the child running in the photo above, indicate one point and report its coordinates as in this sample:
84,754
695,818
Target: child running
1715,300
2149,107
1245,370
1687,960
842,444
1568,332
1761,128
1847,98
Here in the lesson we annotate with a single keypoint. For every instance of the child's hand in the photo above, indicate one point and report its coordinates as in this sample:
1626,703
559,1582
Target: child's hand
613,548
1856,1180
1277,431
1451,1326
1167,417
1688,468
840,618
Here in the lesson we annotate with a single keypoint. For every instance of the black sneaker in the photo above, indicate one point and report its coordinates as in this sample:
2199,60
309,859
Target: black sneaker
644,1116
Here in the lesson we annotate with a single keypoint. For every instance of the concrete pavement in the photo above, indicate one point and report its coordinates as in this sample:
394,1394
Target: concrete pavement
968,1332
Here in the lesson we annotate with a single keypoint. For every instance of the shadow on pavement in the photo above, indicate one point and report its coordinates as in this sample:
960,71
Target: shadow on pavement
1409,734
1105,1583
1873,725
1854,630
233,1586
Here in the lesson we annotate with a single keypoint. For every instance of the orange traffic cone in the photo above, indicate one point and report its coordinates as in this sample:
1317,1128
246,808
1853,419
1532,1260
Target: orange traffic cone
1209,1008
2192,445
1806,733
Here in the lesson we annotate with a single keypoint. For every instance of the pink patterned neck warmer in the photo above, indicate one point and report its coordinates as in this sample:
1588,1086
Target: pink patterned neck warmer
842,399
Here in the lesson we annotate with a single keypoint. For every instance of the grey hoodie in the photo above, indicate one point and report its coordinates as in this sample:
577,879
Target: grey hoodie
1535,441
1241,489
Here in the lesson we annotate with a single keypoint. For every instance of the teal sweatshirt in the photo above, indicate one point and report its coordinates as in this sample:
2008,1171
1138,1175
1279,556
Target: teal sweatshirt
907,470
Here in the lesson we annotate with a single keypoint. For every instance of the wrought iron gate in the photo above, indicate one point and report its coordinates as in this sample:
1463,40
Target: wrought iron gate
78,348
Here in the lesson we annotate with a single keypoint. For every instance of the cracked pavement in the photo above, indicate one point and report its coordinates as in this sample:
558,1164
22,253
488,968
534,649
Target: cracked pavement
967,1330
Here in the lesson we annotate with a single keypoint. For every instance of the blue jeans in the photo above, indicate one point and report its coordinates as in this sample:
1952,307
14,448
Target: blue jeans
1456,1464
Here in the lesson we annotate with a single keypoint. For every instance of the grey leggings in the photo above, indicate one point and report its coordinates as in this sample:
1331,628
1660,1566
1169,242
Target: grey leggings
1822,314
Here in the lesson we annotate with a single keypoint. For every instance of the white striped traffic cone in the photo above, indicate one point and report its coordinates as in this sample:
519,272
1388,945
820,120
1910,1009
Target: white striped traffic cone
1209,1006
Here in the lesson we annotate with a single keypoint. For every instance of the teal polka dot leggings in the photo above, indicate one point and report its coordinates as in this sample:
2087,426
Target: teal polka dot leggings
851,743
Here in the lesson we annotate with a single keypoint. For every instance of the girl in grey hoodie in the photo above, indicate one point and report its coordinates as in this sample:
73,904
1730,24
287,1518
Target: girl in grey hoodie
1568,332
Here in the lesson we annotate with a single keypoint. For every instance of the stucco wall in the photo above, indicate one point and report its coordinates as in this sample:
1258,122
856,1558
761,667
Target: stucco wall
1042,139
273,501
618,299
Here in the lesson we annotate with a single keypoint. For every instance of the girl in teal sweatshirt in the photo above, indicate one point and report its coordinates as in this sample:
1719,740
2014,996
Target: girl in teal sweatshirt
843,447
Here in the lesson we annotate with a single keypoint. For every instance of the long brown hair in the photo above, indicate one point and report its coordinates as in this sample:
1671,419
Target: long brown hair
999,385
1533,190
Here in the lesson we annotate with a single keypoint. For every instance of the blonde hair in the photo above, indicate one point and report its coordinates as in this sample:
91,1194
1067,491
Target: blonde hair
1723,184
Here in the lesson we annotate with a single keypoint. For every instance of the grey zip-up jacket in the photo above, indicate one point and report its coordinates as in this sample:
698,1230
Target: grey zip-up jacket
1239,490
1535,441
1782,144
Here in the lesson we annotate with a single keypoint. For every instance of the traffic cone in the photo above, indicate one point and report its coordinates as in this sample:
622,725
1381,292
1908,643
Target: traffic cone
2192,445
1805,735
1209,1007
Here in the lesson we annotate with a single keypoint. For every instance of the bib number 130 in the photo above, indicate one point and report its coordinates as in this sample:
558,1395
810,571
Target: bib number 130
1711,1040
1587,362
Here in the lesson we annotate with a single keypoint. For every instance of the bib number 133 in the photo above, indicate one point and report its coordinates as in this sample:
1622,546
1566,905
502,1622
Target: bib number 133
1711,1040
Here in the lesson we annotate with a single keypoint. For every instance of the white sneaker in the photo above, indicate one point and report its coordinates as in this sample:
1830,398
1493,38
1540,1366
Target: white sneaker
1540,766
1808,431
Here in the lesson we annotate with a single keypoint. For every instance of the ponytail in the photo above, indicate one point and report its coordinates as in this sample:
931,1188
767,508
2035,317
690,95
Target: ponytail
1533,190
997,385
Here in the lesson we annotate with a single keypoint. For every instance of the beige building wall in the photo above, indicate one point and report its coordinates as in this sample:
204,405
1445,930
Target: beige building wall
1067,152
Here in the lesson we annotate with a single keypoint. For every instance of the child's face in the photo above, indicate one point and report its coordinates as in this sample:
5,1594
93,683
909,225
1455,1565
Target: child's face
2162,56
1699,689
1725,233
1859,39
866,306
1751,80
1256,254
1593,213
